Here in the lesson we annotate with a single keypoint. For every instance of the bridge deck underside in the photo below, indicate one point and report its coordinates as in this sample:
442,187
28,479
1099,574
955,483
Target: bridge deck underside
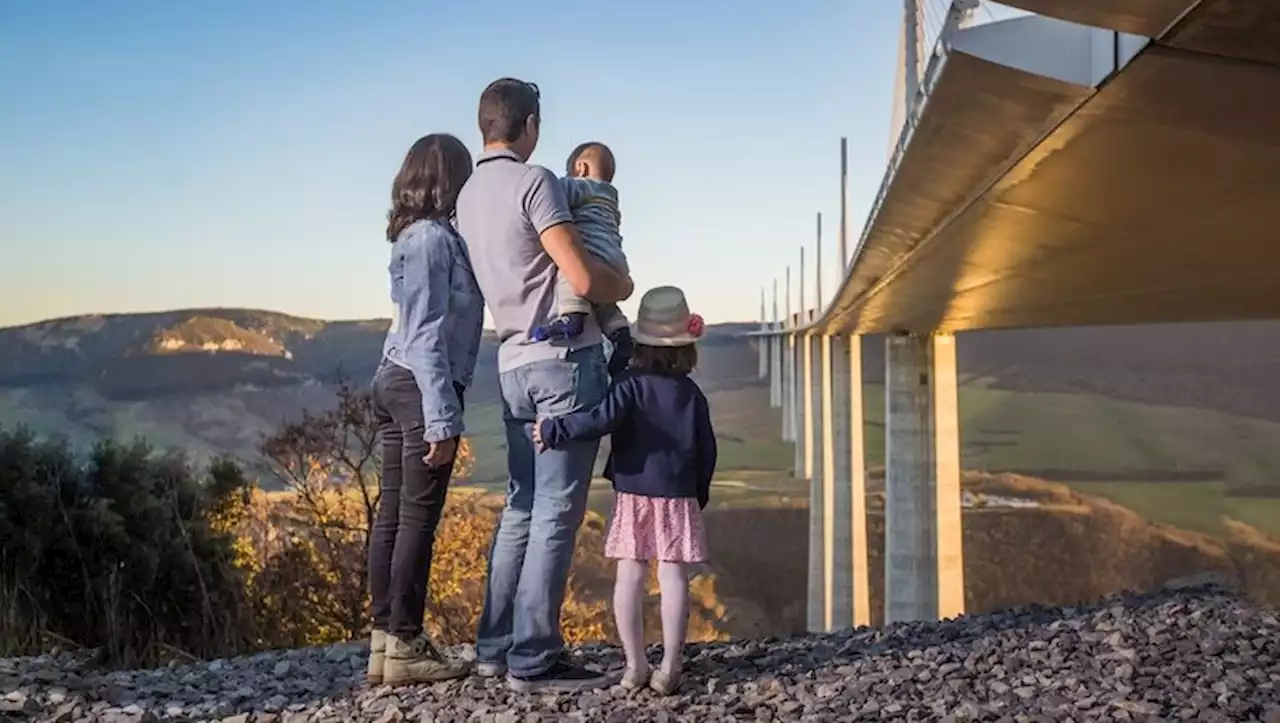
1241,29
1140,17
1156,200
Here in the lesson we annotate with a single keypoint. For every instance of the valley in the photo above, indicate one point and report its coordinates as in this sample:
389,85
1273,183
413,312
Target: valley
1147,438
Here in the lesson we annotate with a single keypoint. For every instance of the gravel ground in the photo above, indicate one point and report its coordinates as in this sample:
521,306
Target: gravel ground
1195,654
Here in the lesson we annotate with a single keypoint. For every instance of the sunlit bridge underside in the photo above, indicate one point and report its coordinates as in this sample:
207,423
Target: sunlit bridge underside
1066,174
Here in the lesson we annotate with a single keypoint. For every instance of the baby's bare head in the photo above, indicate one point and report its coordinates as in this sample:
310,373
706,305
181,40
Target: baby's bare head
591,160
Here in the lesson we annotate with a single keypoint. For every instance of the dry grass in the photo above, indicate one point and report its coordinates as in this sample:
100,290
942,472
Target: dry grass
1073,549
456,589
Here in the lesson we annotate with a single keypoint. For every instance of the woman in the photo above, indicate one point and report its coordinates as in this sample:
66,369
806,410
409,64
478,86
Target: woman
427,362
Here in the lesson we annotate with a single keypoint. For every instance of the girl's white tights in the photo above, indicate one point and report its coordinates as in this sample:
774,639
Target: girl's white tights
628,610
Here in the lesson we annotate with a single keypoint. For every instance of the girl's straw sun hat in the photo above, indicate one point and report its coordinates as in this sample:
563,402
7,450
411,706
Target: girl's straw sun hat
664,319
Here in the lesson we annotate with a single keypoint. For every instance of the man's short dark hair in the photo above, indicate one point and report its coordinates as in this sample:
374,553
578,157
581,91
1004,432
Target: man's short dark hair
504,107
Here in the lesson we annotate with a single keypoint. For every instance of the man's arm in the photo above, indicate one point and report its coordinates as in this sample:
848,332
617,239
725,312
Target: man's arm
590,278
547,208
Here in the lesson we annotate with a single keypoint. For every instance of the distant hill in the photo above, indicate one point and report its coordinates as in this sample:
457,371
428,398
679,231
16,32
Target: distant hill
1071,403
136,357
210,380
146,356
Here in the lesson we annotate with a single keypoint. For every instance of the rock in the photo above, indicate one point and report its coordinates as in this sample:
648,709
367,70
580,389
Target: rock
64,713
14,702
1187,653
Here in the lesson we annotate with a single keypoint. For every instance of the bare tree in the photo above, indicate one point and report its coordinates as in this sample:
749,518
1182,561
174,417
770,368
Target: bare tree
329,461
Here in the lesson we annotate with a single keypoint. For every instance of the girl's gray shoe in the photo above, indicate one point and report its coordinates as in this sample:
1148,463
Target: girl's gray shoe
634,679
664,683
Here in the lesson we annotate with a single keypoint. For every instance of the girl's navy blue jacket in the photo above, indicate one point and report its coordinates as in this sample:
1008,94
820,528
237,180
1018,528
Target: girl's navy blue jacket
663,444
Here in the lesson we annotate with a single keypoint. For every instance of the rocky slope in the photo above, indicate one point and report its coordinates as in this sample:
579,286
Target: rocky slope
1191,654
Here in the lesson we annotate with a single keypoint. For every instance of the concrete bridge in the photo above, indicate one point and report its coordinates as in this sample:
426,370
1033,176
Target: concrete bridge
1081,162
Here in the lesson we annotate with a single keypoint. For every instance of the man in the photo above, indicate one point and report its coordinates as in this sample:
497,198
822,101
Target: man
519,233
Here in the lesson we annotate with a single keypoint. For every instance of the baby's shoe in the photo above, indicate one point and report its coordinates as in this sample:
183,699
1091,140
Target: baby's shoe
623,348
563,327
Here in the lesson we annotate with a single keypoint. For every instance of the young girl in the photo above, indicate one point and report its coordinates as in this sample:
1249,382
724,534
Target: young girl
664,453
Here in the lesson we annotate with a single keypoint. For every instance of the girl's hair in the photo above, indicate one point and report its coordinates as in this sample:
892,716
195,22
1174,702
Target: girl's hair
673,361
428,182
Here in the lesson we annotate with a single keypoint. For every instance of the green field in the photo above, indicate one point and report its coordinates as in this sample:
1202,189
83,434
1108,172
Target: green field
1197,506
746,489
1172,465
1098,435
1063,436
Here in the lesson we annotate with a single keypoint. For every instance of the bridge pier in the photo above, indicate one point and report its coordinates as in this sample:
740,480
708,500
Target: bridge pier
798,404
775,375
924,559
762,349
811,450
787,386
846,591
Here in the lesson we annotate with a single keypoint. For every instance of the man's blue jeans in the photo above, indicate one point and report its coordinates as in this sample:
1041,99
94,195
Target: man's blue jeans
546,501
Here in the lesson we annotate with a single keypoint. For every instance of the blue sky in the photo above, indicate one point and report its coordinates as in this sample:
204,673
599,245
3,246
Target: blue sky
164,155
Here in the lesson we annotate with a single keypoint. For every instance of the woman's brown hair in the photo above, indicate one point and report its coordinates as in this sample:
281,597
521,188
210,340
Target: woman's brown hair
427,185
671,361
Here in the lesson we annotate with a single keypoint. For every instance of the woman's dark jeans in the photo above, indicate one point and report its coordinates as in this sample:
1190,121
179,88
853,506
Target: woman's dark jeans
409,509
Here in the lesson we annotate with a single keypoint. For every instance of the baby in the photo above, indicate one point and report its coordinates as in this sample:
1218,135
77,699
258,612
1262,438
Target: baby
594,203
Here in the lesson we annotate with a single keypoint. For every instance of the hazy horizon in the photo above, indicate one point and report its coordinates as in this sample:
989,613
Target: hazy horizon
192,309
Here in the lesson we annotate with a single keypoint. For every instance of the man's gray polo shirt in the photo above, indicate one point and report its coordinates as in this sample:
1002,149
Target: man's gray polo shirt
502,211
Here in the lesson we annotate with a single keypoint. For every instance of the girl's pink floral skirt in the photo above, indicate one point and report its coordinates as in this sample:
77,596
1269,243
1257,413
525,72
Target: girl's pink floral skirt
668,529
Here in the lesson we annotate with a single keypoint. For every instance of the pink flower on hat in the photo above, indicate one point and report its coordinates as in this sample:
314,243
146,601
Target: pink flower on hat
696,325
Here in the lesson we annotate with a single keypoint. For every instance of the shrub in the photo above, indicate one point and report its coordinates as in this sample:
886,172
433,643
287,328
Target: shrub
118,551
143,557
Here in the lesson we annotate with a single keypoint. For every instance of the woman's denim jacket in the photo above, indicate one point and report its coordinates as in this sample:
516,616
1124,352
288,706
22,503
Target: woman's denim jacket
436,320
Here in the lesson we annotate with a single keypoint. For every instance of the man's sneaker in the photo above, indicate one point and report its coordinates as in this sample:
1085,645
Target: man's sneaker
561,677
377,657
490,670
418,661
